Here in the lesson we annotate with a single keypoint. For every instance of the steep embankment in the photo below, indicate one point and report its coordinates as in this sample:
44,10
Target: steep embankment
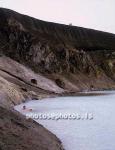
73,58
17,133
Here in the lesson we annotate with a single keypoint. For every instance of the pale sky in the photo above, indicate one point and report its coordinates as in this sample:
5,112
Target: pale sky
96,14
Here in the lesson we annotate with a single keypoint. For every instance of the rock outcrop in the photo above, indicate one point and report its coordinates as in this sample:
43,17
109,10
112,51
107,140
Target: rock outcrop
78,57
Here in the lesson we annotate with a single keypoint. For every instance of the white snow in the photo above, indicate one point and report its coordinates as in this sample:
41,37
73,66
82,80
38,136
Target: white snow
95,134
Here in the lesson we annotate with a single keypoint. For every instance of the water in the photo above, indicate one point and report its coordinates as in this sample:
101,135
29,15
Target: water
95,134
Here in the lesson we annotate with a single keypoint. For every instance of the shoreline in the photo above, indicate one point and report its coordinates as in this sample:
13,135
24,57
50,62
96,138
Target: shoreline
66,105
75,94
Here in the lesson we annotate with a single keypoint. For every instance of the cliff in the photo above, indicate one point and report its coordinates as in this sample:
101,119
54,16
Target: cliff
74,58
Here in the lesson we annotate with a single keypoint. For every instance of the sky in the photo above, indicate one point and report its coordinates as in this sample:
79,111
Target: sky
95,14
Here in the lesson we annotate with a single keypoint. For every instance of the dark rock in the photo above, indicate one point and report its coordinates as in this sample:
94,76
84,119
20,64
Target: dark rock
60,83
34,81
24,89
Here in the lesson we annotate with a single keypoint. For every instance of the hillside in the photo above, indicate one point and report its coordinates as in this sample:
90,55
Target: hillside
72,57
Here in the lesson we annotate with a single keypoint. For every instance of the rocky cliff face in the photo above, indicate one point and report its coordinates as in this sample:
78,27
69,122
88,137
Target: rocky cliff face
72,57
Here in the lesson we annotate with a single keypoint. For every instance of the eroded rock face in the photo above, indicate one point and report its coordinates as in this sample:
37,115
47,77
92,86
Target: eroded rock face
59,51
10,93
